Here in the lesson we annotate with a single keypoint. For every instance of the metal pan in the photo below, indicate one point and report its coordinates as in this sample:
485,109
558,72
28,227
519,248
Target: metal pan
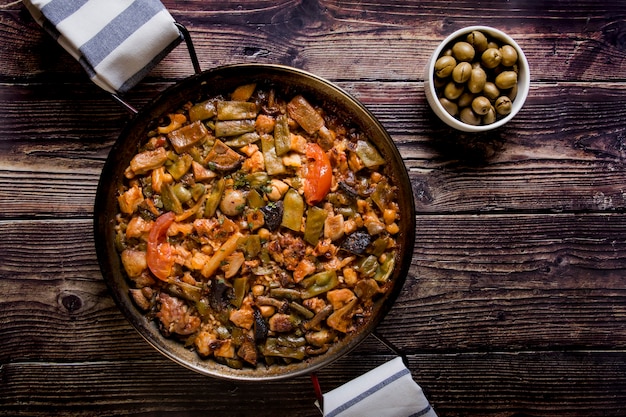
210,83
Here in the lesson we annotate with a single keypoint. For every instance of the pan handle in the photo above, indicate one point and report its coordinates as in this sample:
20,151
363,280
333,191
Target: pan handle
192,56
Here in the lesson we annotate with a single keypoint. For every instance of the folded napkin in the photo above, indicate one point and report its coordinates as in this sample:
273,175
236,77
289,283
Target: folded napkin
116,41
386,391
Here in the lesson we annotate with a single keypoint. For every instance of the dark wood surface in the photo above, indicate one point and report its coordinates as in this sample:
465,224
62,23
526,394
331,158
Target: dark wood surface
515,304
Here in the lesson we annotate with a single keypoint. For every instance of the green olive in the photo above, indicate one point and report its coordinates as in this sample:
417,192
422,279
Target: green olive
506,80
509,55
481,105
465,99
512,93
440,82
478,40
452,91
463,51
469,117
450,106
491,58
477,80
444,66
503,105
490,117
461,73
491,91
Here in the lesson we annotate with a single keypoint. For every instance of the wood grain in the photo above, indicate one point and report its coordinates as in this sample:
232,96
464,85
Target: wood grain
571,161
515,301
526,281
486,384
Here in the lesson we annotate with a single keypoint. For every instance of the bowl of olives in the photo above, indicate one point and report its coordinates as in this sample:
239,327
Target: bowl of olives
477,79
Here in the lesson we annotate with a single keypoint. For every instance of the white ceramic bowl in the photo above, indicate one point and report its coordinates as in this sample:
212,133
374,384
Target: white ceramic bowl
523,79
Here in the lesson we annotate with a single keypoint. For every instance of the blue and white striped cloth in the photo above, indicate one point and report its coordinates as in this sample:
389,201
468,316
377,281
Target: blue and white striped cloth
386,391
117,42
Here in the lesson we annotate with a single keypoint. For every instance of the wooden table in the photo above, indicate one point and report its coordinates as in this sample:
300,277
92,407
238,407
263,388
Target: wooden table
515,303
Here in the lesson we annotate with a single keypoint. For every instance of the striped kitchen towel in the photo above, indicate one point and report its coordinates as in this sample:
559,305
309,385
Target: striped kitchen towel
117,42
386,391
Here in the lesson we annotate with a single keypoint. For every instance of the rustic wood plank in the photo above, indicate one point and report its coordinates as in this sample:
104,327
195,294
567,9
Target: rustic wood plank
527,282
570,160
473,384
515,300
360,41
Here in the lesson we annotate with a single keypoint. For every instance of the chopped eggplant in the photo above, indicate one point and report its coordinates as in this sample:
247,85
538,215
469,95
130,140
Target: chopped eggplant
223,158
273,214
187,136
261,327
357,242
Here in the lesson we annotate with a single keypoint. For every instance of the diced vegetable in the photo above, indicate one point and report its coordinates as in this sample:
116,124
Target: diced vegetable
385,269
159,252
293,210
319,283
318,176
273,214
273,164
302,112
383,195
315,217
223,158
220,255
368,266
282,138
357,242
251,246
179,166
187,136
233,127
273,348
181,192
243,140
368,154
255,200
202,111
214,198
170,199
236,110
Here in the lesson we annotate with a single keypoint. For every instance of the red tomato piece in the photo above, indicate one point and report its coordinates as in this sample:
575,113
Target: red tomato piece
159,251
318,175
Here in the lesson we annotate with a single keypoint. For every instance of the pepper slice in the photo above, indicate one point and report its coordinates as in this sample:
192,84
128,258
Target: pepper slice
319,283
318,175
159,252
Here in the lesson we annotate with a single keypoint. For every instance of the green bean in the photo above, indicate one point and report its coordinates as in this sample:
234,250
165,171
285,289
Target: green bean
368,154
319,283
293,210
315,217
